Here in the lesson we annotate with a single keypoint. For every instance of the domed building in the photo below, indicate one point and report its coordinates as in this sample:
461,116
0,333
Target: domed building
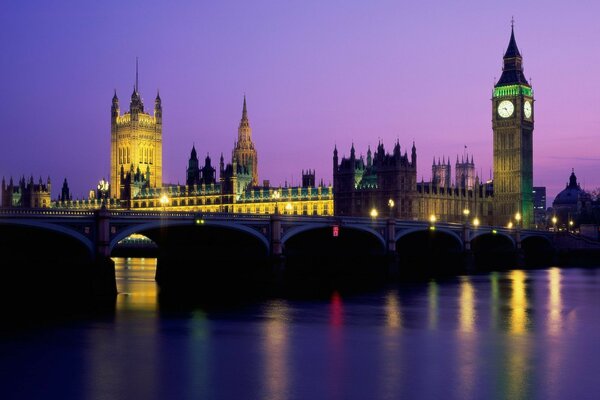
572,204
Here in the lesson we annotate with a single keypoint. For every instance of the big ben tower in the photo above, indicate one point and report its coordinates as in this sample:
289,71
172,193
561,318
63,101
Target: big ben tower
136,140
512,123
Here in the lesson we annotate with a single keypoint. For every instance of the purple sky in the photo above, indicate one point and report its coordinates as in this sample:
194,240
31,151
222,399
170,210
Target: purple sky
315,73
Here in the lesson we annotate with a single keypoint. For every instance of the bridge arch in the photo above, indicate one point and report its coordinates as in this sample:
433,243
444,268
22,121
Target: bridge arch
478,234
84,240
404,232
538,250
308,227
141,228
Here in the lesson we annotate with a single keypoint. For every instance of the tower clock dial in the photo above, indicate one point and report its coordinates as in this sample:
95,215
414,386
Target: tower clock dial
506,108
527,109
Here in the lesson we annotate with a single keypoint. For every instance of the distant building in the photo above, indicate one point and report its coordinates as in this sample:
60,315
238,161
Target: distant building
26,194
572,204
539,206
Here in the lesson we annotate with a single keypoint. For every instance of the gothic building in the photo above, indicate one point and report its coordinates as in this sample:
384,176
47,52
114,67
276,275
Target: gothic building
360,186
387,184
136,141
512,123
441,173
465,173
244,153
200,176
26,194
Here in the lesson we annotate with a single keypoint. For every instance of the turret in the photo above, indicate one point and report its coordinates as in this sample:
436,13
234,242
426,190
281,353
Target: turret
369,157
335,159
352,154
114,109
65,194
413,155
158,108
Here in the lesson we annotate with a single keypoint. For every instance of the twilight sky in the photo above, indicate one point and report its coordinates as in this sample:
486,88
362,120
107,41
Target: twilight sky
315,73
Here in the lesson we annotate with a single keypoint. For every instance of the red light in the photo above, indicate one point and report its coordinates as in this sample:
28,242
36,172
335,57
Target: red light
336,231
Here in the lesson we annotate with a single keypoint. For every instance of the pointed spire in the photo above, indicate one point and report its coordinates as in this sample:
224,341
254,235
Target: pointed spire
115,98
512,50
244,110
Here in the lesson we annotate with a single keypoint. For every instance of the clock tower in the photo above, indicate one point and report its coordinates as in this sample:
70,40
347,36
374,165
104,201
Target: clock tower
512,123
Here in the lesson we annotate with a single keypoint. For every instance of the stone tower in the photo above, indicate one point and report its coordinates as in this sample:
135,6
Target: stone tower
512,123
244,153
440,173
136,140
465,173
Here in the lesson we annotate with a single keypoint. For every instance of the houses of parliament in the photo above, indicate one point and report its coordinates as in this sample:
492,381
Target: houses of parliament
384,182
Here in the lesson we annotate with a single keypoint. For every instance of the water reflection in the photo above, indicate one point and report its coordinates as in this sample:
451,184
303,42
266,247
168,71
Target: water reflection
336,352
432,301
276,347
392,311
467,313
467,350
518,303
391,353
554,320
136,284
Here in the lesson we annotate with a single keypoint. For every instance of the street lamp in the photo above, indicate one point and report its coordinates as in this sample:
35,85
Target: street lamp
518,218
510,225
476,222
554,221
275,196
374,213
391,204
164,200
571,225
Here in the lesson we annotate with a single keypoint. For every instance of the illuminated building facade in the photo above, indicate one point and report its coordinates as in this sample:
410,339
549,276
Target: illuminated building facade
26,194
244,154
136,143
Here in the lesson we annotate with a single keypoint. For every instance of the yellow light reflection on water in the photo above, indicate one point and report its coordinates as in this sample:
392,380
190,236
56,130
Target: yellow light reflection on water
136,284
392,311
554,302
276,348
518,303
467,306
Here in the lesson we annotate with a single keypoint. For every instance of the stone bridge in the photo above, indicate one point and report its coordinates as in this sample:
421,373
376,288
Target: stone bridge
101,230
183,236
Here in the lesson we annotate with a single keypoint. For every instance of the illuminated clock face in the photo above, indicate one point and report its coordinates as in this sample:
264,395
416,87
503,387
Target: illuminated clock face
506,108
527,109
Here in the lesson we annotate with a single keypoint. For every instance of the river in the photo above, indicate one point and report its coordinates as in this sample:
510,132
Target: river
501,335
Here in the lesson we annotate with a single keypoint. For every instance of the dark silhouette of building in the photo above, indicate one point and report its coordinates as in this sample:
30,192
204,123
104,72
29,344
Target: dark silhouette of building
360,187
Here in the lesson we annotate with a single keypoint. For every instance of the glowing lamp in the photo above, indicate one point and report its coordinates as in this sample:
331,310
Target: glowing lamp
374,213
476,222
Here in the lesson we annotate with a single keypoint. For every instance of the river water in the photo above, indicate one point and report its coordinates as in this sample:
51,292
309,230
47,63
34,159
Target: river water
503,335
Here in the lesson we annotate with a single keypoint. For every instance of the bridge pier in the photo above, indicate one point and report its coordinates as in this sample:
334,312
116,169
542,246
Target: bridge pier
392,258
469,257
277,257
103,267
520,255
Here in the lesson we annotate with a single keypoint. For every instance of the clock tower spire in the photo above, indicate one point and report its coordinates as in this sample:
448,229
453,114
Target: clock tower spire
512,124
